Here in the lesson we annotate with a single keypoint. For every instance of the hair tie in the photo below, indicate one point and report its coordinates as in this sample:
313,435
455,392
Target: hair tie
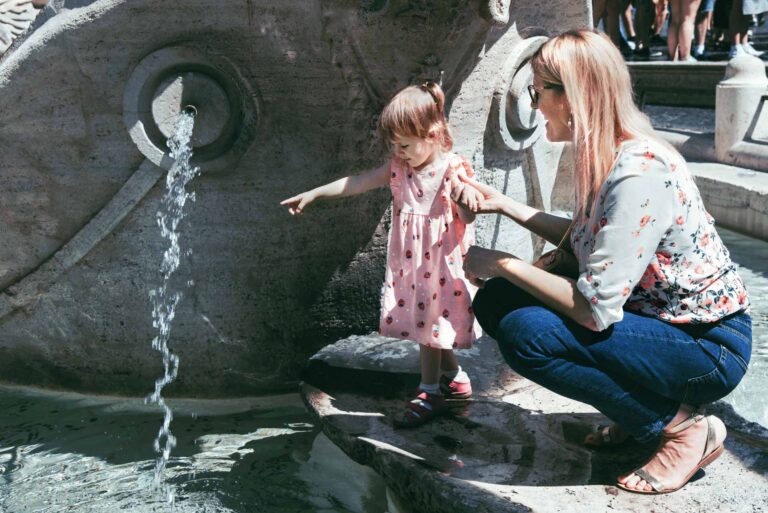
425,87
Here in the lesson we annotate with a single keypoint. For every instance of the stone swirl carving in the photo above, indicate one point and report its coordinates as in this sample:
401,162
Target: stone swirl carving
15,18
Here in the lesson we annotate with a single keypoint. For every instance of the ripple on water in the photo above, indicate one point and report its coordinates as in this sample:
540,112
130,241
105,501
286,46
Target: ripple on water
92,455
751,256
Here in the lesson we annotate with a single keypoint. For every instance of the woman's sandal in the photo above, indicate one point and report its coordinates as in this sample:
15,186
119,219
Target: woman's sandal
421,409
607,436
710,454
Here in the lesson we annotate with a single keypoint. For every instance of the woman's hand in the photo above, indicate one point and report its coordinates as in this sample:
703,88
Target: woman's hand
298,203
492,201
481,264
466,196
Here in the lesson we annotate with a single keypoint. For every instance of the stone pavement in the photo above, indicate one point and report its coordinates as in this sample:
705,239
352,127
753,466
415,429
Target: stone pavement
514,447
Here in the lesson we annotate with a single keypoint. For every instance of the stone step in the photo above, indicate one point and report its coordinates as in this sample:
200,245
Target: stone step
514,447
736,197
689,84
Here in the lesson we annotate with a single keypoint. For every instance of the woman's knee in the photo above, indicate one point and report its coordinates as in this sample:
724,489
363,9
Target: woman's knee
528,335
493,302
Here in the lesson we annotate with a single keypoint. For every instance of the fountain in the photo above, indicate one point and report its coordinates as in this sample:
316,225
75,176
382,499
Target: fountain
287,93
298,78
165,298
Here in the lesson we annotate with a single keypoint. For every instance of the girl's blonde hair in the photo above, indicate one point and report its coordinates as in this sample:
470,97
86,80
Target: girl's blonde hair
413,112
589,68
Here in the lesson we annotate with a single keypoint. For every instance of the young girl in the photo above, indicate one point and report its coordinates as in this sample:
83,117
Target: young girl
425,296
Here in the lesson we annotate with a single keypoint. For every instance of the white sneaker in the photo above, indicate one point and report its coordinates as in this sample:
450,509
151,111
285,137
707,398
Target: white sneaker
691,58
736,51
750,50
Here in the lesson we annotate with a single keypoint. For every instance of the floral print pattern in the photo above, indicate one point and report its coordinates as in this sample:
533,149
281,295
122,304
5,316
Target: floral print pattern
426,296
649,245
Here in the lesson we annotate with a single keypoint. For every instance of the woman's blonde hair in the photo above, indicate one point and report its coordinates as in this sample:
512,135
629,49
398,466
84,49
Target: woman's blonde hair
413,112
592,73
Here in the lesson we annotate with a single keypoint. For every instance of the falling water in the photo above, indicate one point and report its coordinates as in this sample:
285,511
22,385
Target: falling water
165,298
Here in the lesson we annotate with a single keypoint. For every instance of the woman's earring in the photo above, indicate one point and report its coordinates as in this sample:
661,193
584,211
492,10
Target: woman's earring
570,120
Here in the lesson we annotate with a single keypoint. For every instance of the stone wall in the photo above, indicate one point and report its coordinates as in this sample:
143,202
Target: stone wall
80,176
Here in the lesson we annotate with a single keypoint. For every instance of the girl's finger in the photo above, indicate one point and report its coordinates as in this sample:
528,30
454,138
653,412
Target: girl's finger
482,188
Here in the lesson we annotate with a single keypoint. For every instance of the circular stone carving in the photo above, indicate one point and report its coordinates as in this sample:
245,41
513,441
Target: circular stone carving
195,91
522,117
173,79
519,124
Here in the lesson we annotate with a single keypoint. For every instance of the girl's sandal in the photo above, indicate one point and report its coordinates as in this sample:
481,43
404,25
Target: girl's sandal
454,390
421,409
607,436
710,454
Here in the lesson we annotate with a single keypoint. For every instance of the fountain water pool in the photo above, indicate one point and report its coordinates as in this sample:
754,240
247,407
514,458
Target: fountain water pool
751,255
69,452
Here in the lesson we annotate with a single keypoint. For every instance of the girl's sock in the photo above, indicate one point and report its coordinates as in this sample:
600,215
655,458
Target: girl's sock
433,389
458,375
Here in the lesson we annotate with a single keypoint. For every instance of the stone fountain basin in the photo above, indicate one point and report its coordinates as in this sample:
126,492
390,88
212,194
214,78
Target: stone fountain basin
514,447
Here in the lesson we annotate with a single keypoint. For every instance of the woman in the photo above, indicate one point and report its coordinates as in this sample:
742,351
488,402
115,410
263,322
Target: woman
654,322
680,30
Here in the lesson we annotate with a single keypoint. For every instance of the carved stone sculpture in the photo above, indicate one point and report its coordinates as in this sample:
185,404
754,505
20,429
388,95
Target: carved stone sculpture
15,18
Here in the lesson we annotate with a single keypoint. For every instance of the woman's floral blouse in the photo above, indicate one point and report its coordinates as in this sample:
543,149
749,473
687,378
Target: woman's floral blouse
651,247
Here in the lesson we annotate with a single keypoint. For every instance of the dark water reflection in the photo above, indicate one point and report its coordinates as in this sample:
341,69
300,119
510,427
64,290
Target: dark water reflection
67,452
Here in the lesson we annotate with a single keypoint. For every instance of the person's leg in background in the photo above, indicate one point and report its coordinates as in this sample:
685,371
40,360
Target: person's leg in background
738,25
628,25
644,12
703,24
685,35
660,18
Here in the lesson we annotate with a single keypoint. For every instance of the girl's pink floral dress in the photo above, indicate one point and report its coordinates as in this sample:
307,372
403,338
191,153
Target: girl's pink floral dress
426,296
651,247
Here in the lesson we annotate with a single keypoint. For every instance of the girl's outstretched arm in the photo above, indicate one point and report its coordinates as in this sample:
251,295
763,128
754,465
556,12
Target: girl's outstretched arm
347,186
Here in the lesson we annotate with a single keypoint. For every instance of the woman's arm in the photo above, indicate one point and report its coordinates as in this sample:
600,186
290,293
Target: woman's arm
548,226
556,292
347,186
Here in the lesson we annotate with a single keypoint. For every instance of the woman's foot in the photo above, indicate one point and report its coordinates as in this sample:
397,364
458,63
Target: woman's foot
605,436
685,448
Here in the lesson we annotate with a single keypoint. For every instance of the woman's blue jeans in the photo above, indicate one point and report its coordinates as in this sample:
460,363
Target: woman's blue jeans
637,372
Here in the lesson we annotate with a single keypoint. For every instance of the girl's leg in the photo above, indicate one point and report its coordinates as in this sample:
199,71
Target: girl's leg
448,361
429,401
430,368
685,34
673,32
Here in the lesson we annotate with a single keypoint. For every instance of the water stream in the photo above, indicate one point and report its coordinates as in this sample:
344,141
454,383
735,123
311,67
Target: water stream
166,296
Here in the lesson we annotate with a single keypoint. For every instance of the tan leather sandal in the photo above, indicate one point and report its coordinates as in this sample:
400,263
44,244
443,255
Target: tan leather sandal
710,454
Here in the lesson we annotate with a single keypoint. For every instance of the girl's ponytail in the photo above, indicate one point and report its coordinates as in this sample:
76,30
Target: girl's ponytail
437,94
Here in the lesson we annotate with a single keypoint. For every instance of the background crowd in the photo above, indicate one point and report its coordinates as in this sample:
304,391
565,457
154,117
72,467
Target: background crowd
681,30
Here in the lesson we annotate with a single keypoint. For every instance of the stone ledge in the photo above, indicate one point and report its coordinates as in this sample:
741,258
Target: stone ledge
736,197
515,447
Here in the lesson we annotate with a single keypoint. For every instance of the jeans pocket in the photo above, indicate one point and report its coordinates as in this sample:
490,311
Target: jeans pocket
710,386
